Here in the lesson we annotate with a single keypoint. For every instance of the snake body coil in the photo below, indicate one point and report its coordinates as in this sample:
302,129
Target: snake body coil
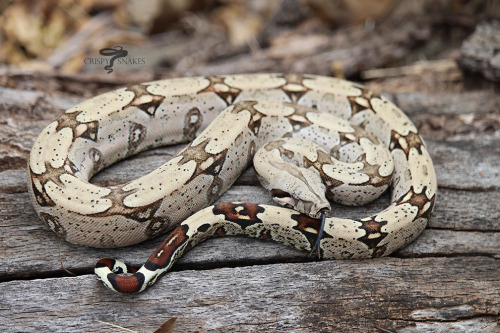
311,139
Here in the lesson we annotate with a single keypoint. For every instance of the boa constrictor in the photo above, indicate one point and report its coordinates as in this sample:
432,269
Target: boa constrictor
267,115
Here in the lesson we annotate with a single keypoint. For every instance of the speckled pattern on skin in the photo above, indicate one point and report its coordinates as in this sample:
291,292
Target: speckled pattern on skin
311,139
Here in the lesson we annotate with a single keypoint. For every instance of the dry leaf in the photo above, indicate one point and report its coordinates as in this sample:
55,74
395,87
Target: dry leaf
242,26
155,16
32,30
351,11
167,327
291,46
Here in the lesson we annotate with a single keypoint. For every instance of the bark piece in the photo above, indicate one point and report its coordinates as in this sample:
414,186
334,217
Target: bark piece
481,51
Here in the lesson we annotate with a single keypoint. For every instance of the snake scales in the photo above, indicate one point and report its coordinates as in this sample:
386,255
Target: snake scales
271,116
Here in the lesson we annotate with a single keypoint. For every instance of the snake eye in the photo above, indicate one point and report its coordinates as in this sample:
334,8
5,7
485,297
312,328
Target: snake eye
277,193
283,198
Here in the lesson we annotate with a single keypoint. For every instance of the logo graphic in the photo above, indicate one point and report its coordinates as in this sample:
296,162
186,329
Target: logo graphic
110,57
115,53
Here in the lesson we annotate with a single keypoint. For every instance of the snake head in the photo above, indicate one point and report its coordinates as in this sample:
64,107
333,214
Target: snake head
279,168
304,193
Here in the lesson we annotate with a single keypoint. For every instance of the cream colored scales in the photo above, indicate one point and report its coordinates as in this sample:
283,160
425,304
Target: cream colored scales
290,125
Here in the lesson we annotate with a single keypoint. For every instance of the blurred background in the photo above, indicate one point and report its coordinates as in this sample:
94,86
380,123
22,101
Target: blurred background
343,38
438,60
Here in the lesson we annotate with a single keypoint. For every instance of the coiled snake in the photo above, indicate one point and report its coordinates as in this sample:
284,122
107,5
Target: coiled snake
363,144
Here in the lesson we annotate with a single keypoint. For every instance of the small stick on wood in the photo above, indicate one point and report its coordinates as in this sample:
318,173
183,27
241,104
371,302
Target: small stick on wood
417,68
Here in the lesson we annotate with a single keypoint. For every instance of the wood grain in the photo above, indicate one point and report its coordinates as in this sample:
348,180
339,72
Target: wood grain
407,295
21,226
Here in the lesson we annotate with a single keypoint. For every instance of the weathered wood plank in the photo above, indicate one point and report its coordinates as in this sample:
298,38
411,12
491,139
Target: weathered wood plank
447,243
431,294
467,210
416,103
473,229
469,165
